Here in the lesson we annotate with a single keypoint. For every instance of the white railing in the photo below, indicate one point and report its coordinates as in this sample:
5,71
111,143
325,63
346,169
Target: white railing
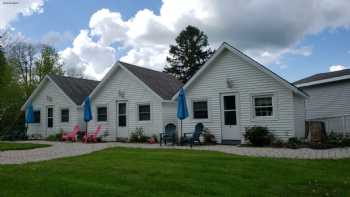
336,124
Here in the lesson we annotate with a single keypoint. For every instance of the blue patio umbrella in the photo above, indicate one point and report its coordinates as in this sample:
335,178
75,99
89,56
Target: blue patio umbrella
182,112
87,112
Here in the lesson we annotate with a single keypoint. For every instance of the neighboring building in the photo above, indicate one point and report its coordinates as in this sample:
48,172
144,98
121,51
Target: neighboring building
130,97
329,99
232,92
56,103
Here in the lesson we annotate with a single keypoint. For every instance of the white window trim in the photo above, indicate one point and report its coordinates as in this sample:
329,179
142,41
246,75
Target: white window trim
102,105
138,112
192,109
274,116
69,116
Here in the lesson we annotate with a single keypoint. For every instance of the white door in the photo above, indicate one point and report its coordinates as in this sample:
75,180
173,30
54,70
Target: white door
122,119
229,117
49,120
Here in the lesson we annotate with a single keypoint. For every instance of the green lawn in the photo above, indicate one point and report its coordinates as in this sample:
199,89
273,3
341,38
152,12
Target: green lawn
20,146
138,172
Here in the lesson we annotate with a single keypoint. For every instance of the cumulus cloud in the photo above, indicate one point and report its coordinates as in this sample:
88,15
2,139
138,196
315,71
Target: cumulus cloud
9,10
88,55
266,30
336,68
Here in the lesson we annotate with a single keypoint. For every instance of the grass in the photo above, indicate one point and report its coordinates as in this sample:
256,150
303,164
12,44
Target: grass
20,146
139,172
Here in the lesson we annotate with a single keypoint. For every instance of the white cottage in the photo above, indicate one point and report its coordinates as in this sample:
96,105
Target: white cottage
56,103
329,99
131,97
232,91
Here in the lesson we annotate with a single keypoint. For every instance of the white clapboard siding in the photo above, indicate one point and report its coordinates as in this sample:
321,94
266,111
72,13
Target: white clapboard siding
300,115
169,113
134,93
247,81
328,100
50,95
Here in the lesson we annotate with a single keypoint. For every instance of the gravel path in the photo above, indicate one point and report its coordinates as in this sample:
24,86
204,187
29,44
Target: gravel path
59,150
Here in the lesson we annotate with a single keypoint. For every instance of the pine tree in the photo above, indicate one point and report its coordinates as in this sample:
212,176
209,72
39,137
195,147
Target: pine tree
189,54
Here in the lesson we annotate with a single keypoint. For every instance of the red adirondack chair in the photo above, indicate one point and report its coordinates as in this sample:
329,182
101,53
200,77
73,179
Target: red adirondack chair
92,136
71,135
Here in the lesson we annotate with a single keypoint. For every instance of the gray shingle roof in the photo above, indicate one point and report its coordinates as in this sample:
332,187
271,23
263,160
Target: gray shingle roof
165,85
77,89
322,76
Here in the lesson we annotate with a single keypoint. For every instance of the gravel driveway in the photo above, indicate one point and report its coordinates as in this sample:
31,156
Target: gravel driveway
60,149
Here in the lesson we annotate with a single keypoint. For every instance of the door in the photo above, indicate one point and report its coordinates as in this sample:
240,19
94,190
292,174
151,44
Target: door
122,119
49,120
229,118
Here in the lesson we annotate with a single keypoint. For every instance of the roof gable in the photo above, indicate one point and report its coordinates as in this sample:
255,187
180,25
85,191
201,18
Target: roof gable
224,46
161,84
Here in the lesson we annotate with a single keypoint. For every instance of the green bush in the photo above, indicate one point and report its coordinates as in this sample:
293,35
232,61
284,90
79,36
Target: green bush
55,137
138,136
294,142
338,140
258,136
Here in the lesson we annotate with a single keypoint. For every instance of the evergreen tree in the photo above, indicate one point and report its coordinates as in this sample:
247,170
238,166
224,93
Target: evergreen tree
189,54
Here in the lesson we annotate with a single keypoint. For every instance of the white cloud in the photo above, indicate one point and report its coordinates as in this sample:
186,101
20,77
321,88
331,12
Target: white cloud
336,68
9,10
251,26
91,56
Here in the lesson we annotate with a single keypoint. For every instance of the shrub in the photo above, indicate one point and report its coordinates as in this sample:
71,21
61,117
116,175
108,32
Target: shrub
294,142
258,136
138,136
208,137
338,140
55,137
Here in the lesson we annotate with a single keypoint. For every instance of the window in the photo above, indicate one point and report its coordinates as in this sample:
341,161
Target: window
263,106
50,117
200,109
65,115
36,116
101,114
122,114
144,112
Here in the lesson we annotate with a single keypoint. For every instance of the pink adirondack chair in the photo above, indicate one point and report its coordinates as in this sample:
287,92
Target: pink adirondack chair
71,135
92,136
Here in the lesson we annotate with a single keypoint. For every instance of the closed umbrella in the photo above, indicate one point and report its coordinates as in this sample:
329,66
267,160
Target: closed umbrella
29,115
87,112
182,112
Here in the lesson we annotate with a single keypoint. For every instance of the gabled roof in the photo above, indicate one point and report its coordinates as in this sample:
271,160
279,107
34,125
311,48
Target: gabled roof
161,84
226,46
322,78
75,88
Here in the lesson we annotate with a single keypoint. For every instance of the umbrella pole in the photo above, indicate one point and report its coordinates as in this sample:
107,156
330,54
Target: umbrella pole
86,131
181,130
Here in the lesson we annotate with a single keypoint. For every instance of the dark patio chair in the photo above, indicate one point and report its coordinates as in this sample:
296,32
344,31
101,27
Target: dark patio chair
192,138
169,134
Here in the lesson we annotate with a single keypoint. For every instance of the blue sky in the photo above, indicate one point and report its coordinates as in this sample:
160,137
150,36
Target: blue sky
304,39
